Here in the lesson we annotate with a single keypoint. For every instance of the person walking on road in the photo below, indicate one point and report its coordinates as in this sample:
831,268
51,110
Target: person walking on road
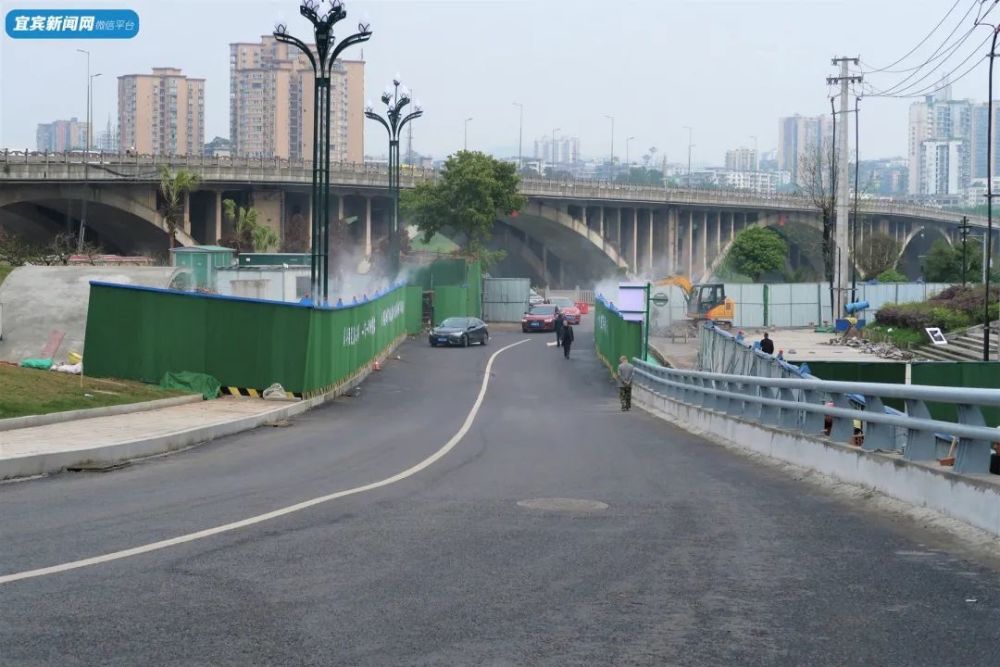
626,372
560,323
567,339
767,345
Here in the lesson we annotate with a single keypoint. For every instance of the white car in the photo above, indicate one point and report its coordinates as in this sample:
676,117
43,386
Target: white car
534,298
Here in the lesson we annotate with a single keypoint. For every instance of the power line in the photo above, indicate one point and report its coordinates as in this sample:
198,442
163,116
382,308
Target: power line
947,77
935,55
919,44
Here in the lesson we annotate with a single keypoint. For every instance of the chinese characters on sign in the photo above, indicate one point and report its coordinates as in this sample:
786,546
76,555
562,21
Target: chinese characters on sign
72,24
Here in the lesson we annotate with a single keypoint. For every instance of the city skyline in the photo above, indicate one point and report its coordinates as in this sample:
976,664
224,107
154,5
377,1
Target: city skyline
796,83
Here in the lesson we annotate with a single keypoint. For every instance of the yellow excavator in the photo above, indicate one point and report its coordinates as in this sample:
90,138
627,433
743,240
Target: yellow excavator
704,302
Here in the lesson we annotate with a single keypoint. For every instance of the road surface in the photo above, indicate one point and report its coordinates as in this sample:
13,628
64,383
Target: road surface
668,551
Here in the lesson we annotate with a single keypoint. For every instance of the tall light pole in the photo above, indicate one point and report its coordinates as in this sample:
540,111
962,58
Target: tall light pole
520,136
322,60
395,99
81,234
628,170
552,150
690,146
611,165
466,144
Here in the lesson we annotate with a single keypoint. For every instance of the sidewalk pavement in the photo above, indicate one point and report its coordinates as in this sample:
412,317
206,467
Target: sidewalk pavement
106,441
676,354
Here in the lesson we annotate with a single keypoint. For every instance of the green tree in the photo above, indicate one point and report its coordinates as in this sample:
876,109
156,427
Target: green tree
891,276
756,251
943,263
878,253
465,201
248,232
174,187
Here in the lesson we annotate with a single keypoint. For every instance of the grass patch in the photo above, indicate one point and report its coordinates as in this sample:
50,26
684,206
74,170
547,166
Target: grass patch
27,391
4,272
901,338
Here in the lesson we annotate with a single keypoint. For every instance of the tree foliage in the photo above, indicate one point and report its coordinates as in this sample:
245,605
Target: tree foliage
891,276
878,253
174,187
816,184
756,251
943,263
465,201
248,233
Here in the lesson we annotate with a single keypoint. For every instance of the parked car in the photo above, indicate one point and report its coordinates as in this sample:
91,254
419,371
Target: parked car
539,318
461,331
567,307
534,298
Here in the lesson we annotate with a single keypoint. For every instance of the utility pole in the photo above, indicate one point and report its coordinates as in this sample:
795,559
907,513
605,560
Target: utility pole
964,229
842,245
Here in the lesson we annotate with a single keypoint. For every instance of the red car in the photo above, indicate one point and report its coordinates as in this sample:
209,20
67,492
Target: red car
539,318
569,309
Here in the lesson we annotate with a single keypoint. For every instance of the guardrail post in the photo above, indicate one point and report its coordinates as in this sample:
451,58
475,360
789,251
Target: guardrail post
919,445
789,417
813,423
877,436
972,456
843,427
768,413
751,409
707,397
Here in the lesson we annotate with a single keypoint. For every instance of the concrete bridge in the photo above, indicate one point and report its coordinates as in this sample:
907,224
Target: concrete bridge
569,232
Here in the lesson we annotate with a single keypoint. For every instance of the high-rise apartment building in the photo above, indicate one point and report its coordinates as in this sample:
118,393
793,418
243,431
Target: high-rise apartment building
162,113
979,138
741,159
563,150
61,135
800,140
943,136
107,139
271,103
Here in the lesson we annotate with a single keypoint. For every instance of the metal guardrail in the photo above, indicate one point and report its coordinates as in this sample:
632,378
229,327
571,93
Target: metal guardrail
111,166
800,405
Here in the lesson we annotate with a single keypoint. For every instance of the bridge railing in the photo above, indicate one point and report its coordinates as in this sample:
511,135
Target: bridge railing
802,405
100,165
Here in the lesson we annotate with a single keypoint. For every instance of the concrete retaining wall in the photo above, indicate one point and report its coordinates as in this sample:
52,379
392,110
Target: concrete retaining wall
972,499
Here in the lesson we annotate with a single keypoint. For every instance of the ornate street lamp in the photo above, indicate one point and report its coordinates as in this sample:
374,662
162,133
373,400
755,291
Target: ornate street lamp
395,98
322,60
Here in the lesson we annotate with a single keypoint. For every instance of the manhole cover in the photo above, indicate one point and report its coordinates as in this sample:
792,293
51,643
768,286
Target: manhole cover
563,504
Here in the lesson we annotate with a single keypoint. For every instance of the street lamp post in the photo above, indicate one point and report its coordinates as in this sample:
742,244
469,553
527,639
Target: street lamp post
322,60
520,136
465,145
690,146
552,149
611,165
395,98
628,168
81,234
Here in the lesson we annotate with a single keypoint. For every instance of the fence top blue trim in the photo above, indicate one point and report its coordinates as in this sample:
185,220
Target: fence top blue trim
224,297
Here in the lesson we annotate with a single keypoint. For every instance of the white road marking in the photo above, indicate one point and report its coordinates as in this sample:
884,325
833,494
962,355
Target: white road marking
260,518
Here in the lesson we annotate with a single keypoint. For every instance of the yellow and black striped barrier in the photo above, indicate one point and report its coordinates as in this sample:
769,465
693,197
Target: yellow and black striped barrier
247,392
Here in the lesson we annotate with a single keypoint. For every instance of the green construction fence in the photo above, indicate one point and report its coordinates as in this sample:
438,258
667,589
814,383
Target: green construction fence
140,333
980,374
614,336
450,301
414,295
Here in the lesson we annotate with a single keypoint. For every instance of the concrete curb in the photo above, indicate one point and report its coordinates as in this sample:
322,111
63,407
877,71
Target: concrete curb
89,413
40,464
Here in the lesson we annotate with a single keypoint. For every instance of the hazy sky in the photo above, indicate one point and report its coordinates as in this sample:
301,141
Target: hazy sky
729,69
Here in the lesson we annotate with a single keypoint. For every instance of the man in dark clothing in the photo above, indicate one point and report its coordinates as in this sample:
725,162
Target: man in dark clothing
567,339
767,345
560,323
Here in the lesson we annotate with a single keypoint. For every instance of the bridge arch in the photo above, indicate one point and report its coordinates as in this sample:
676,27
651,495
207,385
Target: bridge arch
804,235
128,223
915,245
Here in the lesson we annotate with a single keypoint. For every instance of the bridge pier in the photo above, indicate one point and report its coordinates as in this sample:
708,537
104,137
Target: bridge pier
671,267
635,241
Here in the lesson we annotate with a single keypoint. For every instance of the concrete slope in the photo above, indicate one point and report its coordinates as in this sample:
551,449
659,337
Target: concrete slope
37,300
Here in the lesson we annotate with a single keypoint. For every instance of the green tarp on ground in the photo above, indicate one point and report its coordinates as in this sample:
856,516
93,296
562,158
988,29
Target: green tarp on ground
193,383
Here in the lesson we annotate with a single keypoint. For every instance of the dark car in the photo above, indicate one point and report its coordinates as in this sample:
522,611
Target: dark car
569,309
461,331
539,318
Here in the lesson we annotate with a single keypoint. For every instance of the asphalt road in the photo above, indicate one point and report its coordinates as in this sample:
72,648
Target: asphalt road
701,557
